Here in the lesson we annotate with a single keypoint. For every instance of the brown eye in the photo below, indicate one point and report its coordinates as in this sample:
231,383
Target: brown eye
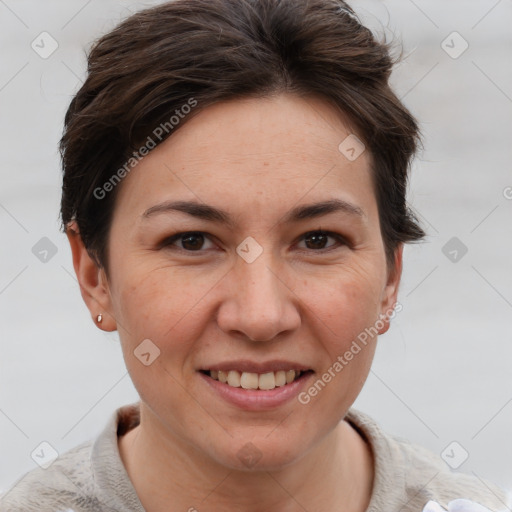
190,242
318,240
193,241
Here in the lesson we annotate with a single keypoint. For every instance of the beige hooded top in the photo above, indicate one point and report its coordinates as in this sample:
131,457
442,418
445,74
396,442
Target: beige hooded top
92,478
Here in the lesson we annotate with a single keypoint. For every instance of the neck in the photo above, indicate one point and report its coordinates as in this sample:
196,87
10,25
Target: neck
337,474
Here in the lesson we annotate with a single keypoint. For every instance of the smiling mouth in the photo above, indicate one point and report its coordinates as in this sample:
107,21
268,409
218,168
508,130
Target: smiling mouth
256,381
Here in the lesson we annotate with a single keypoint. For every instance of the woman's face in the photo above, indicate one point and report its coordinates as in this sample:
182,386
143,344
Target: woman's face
255,288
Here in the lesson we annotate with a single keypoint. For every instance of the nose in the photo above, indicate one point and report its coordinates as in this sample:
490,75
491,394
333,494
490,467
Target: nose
258,304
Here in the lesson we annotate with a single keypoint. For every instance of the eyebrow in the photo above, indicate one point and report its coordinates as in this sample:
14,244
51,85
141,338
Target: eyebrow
213,214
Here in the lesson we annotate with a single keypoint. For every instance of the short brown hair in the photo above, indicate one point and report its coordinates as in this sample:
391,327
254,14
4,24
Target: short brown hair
156,60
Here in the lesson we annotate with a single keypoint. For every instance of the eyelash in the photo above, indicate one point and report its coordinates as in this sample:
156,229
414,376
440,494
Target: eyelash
173,238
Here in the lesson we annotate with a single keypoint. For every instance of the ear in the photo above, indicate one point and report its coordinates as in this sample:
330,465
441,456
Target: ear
92,279
390,293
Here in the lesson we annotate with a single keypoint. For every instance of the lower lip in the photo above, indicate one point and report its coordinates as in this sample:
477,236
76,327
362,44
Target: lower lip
255,399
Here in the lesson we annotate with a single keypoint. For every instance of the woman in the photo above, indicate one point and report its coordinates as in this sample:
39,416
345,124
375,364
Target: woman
266,133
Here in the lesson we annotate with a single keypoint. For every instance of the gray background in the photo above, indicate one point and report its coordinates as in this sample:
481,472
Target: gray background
443,371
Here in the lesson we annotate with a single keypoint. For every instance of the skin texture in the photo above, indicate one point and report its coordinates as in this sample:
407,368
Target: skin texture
299,300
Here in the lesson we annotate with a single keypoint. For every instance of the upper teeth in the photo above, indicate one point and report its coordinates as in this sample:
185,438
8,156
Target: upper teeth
249,380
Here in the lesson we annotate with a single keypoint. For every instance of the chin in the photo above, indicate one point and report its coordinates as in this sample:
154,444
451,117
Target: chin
259,453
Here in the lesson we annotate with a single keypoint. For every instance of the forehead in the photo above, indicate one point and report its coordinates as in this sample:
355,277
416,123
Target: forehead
284,126
282,148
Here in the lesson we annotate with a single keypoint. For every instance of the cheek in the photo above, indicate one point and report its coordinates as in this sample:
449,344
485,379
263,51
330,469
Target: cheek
345,305
166,302
346,310
159,303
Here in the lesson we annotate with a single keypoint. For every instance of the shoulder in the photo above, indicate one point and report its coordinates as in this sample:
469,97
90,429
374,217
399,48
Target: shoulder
408,475
88,478
67,482
429,478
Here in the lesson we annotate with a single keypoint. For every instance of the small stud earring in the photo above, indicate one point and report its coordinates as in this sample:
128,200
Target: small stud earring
99,318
